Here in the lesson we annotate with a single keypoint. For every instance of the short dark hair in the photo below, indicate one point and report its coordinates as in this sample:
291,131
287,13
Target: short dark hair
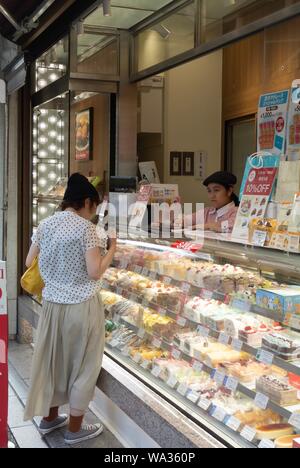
79,204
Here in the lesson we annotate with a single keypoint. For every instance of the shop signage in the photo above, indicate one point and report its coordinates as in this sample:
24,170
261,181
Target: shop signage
254,203
272,122
293,145
3,358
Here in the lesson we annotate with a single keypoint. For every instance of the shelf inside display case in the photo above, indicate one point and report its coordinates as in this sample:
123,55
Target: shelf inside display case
193,323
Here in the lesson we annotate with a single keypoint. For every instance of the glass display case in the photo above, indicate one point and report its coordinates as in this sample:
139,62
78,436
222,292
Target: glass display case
216,332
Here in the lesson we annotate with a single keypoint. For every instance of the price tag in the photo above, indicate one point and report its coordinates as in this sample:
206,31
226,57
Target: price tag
295,322
265,357
145,272
156,371
203,331
206,294
219,414
261,401
181,321
248,433
198,355
120,291
114,343
233,423
162,311
153,275
145,364
134,298
204,404
182,389
295,420
138,269
231,383
224,339
259,238
156,343
242,305
125,352
218,377
197,366
167,280
266,444
176,354
192,396
172,381
237,344
186,287
141,333
137,358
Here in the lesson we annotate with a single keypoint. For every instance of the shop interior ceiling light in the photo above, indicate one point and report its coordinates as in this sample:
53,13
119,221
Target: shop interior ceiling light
162,31
106,8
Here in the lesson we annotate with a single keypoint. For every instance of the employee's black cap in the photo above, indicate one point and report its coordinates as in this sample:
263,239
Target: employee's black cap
222,178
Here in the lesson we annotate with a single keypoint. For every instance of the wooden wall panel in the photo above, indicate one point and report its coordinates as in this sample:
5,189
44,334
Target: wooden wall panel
266,62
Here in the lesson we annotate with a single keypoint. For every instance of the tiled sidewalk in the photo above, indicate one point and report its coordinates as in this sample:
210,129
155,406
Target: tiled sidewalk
26,434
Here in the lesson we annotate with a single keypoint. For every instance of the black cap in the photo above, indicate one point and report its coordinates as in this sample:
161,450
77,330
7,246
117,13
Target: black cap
222,178
79,188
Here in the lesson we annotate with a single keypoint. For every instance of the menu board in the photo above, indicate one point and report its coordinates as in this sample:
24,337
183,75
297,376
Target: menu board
272,122
255,200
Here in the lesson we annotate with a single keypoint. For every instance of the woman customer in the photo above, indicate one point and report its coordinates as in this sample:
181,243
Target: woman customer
70,339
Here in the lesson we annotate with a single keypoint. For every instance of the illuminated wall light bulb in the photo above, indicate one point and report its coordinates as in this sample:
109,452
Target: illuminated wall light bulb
53,119
42,71
43,126
44,111
34,189
61,67
53,134
42,182
35,132
34,218
42,83
43,210
53,77
35,147
43,168
35,160
52,176
43,154
43,140
34,174
60,124
53,148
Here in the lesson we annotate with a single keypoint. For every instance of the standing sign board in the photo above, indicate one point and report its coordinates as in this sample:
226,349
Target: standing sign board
3,358
254,203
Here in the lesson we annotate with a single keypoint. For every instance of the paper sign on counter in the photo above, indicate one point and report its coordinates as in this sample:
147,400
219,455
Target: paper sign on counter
233,423
172,382
248,433
204,404
261,401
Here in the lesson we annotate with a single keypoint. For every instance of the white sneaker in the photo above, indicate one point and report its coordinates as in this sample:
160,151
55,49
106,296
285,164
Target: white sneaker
87,432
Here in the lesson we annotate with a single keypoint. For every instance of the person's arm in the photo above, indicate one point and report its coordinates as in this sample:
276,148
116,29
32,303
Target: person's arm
96,264
32,254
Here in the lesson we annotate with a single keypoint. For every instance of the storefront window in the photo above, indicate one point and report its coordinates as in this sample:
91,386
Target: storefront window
52,65
166,39
50,156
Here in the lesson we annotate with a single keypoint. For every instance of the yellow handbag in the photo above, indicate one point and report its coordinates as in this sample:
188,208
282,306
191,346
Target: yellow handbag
32,281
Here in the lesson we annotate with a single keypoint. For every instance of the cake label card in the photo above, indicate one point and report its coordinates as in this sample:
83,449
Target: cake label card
206,294
162,311
259,238
204,404
134,298
137,358
241,305
125,352
186,287
156,371
197,366
105,284
233,423
167,280
176,354
145,272
295,420
261,401
141,333
219,414
124,264
224,339
231,383
120,291
182,389
138,269
172,381
237,344
266,444
181,321
203,331
145,364
192,396
156,343
248,433
265,357
218,377
114,343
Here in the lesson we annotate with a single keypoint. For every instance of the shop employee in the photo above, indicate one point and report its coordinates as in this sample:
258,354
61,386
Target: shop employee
220,217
